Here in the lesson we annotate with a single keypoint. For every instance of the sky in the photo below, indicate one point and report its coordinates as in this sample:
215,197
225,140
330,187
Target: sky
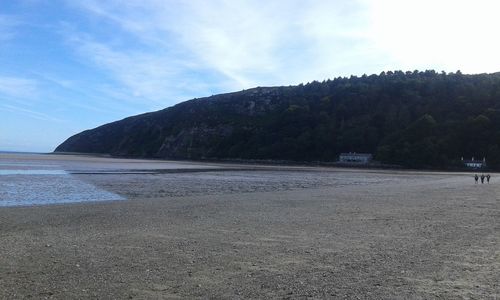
72,65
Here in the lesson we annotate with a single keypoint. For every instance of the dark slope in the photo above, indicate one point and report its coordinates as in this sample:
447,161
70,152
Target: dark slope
417,119
192,129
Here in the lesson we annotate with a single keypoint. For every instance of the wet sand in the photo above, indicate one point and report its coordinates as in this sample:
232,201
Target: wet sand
293,233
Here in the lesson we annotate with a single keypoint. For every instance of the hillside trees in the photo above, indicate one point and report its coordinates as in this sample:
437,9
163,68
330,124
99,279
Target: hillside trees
414,119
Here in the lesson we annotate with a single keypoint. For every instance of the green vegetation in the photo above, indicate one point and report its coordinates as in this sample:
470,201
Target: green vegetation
414,119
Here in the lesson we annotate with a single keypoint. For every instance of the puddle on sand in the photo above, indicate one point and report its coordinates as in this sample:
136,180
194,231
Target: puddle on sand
41,187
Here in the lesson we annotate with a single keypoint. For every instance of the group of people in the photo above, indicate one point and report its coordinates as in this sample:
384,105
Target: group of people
476,178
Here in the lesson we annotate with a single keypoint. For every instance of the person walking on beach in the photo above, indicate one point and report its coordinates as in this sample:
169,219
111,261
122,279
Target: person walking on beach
488,178
476,178
482,178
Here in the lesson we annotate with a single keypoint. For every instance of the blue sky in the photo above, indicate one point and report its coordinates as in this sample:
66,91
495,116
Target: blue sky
71,65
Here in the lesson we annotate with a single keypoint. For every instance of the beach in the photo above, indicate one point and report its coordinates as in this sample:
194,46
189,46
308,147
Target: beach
221,231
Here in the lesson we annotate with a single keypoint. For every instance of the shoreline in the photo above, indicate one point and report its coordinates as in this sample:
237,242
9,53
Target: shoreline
273,162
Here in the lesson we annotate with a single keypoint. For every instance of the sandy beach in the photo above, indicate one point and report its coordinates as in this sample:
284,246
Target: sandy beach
236,232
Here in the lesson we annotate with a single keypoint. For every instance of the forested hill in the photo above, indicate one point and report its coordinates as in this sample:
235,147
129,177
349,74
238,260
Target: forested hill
414,119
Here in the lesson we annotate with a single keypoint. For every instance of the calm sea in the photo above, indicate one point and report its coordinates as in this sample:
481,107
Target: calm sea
40,179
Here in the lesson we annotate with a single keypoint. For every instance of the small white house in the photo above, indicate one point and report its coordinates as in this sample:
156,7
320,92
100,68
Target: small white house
353,157
474,164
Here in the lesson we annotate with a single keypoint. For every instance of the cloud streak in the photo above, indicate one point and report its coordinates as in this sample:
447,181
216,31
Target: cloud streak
236,44
18,87
248,43
29,113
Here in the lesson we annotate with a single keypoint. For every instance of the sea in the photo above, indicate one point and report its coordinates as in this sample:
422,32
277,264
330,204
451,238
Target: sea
28,179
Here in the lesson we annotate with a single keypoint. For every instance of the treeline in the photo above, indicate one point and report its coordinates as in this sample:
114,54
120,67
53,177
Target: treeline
414,119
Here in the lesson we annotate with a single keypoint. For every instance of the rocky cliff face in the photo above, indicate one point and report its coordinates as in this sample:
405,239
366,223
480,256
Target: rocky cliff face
192,129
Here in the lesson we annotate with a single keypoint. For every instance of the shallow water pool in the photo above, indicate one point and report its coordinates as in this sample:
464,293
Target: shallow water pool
48,187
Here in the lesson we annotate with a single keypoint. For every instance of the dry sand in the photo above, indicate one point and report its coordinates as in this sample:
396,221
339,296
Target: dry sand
273,233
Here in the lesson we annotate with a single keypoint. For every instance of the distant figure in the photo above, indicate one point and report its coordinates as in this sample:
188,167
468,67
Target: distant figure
482,178
476,178
488,178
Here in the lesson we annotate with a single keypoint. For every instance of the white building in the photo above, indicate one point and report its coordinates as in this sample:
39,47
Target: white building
353,157
474,164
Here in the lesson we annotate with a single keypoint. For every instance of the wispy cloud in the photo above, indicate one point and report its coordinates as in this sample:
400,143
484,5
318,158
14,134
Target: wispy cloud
30,113
274,42
63,83
101,98
250,43
145,75
18,87
240,43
